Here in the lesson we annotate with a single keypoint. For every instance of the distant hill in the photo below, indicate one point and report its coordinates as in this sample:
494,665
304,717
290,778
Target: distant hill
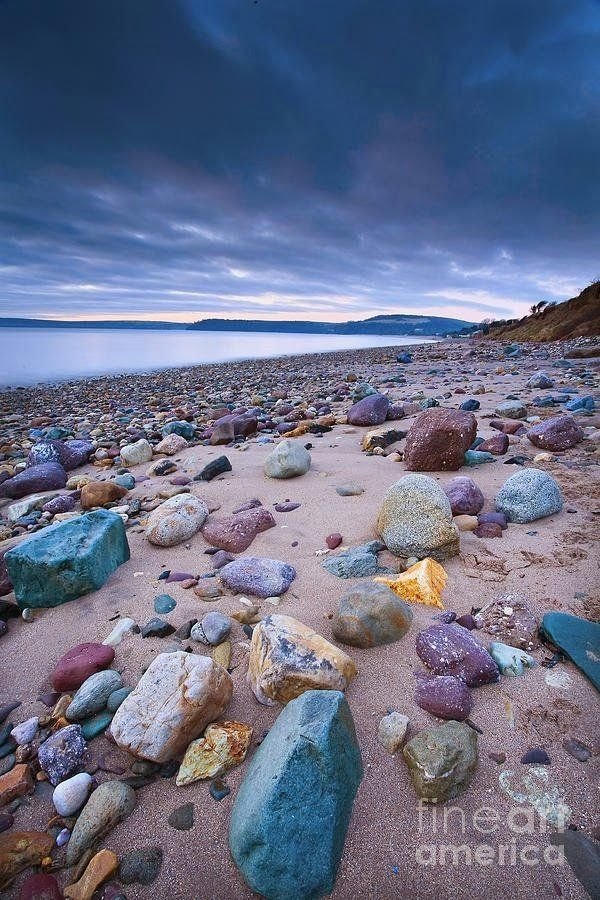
56,323
578,317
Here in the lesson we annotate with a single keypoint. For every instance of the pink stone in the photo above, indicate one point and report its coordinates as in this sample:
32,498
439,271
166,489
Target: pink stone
84,660
445,696
40,887
438,440
236,532
333,540
498,444
488,530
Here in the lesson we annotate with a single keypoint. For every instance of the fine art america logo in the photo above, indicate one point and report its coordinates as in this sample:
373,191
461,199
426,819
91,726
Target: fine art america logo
506,839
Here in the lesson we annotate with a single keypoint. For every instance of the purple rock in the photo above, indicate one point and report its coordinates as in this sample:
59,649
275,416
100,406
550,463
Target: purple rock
464,495
284,427
371,410
395,412
6,821
5,582
70,454
62,753
258,576
488,530
536,757
62,504
467,621
249,504
236,532
221,558
177,576
179,480
498,518
45,477
452,650
444,696
286,507
558,433
447,617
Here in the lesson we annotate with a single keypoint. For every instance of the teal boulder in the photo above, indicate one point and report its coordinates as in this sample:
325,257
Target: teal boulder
291,814
578,639
185,430
67,560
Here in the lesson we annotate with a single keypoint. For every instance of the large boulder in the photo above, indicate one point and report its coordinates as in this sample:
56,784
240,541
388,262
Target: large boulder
178,695
528,495
287,460
176,520
442,760
466,497
310,756
258,576
48,476
288,658
558,433
371,410
235,533
370,615
438,440
578,638
67,560
415,519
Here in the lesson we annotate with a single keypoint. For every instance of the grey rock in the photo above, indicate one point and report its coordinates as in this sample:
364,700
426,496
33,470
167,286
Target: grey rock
415,519
93,694
287,460
358,562
109,804
528,495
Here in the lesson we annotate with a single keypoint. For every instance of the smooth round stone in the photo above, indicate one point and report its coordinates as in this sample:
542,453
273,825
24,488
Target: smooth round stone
127,481
70,795
7,763
141,866
164,603
116,698
96,725
213,629
93,694
349,490
79,663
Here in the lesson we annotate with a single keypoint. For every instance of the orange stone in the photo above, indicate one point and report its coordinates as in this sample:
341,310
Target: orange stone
421,583
15,784
98,870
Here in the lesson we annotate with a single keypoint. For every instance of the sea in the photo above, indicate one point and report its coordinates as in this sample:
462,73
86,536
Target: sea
30,356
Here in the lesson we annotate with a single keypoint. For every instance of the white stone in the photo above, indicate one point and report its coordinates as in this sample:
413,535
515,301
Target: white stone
171,444
22,507
178,695
25,731
287,460
122,628
135,454
176,520
70,795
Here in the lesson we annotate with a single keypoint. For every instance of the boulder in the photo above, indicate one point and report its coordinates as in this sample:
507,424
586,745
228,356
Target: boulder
310,755
287,460
370,615
528,495
258,576
466,497
438,440
558,433
442,761
415,519
70,454
579,639
171,444
288,658
371,410
99,493
222,746
176,520
78,664
449,649
235,533
137,453
46,477
178,695
108,805
67,560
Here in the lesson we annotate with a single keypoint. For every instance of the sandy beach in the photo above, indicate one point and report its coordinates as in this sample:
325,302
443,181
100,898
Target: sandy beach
551,563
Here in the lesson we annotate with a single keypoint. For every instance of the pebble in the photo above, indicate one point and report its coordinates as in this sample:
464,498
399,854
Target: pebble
25,732
141,866
70,795
164,603
182,818
93,694
536,757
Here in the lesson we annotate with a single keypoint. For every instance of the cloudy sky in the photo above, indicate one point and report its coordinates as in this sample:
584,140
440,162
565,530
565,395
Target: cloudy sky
318,159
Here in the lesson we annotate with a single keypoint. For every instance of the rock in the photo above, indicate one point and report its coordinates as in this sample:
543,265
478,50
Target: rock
70,795
310,752
41,886
45,477
67,560
15,783
444,696
98,493
221,654
578,639
528,495
98,724
5,582
465,496
349,489
258,576
288,658
176,520
208,589
488,530
583,855
136,454
182,428
508,427
182,818
62,753
25,731
287,460
62,504
477,458
497,444
438,440
512,409
223,746
108,805
558,433
423,582
27,505
540,380
370,615
442,761
371,410
497,518
98,870
171,444
116,698
536,757
509,660
126,481
21,849
392,731
236,532
78,664
174,700
577,749
123,627
358,562
415,519
141,866
222,432
164,604
466,523
216,467
212,630
382,437
157,628
449,649
93,694
334,540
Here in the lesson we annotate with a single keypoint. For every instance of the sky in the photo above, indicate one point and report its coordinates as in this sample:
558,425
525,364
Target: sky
304,159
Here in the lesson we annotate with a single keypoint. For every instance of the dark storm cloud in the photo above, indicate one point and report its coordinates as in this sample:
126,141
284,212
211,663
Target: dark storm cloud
315,158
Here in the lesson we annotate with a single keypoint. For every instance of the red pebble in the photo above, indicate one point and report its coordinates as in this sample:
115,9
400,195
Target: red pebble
488,530
84,660
333,540
40,887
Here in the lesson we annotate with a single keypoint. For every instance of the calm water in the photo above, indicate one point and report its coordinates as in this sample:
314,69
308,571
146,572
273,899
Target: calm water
30,355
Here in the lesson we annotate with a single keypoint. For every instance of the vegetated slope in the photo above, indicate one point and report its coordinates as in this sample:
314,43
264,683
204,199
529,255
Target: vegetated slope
578,317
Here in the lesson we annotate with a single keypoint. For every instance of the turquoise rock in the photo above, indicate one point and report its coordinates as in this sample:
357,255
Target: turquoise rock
291,813
510,660
186,430
67,560
164,603
98,724
578,639
127,481
358,562
116,698
478,457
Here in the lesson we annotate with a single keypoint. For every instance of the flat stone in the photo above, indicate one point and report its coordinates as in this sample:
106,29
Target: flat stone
512,409
357,562
176,520
15,783
258,576
442,761
235,533
141,866
222,746
182,818
108,805
579,639
370,615
99,869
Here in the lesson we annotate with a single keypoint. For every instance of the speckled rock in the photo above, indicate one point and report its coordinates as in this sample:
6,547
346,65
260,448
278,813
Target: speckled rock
137,453
371,410
108,805
176,520
444,696
258,576
45,477
558,433
93,695
171,444
528,495
438,440
235,533
415,519
62,753
392,730
222,746
449,649
466,497
512,409
141,866
287,460
442,761
357,562
370,615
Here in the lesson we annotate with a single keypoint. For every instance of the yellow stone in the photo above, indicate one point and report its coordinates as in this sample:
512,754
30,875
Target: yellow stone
223,746
98,870
421,583
221,654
